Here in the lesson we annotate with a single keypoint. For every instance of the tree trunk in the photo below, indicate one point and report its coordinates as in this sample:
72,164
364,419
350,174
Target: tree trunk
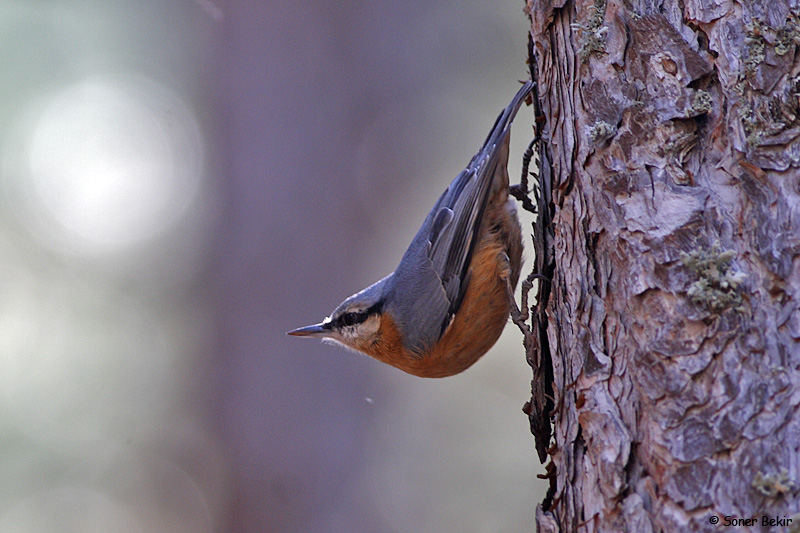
672,321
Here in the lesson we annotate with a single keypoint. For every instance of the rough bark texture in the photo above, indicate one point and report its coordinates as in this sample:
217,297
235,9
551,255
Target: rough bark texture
674,310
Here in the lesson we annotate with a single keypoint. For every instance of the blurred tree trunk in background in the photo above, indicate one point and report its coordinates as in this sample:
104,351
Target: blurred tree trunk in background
674,310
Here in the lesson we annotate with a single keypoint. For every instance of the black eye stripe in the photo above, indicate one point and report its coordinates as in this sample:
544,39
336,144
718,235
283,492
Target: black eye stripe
352,318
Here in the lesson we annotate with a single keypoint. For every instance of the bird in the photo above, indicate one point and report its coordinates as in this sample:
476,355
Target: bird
447,302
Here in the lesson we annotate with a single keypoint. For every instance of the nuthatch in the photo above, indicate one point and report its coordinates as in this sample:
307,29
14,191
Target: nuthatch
447,302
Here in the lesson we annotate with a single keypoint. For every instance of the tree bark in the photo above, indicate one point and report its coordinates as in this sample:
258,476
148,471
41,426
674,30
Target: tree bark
672,318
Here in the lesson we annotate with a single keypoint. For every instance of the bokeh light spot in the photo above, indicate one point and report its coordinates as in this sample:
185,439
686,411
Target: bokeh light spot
112,161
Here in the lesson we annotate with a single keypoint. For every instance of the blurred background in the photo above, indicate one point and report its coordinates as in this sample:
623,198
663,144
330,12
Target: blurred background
182,181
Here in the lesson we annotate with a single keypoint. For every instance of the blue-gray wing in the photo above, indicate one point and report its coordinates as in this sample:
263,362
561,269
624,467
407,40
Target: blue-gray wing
434,272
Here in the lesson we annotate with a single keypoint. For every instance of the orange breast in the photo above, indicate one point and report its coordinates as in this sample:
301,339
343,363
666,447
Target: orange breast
479,321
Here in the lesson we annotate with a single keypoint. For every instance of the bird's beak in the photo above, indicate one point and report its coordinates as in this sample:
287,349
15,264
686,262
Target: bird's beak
316,330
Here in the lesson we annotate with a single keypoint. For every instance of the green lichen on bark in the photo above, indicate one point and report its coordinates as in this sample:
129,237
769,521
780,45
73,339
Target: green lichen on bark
773,485
718,283
592,35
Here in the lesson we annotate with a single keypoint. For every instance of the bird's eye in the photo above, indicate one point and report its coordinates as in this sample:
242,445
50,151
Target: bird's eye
348,319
